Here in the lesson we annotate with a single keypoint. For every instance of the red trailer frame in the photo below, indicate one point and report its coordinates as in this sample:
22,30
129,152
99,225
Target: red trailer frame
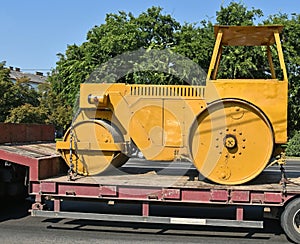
49,180
148,189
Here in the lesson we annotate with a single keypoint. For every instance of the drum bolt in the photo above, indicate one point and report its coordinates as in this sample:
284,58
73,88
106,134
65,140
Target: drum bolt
223,175
230,141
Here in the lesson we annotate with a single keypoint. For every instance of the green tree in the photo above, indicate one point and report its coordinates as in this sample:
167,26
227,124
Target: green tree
291,49
196,42
237,14
241,62
58,112
24,93
121,33
5,98
15,94
293,146
27,113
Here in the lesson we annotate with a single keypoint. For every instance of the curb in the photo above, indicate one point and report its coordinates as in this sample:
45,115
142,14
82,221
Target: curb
293,158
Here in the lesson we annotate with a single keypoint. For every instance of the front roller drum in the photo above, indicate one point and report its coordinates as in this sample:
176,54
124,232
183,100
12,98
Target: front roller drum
92,147
231,142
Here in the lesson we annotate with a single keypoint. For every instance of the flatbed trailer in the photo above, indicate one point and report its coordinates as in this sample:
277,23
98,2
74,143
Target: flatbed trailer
277,193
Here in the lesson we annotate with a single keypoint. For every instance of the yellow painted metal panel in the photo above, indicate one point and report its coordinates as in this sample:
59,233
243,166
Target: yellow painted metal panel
173,123
268,95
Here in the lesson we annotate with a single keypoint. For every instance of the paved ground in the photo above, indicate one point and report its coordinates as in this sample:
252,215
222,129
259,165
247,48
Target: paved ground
16,226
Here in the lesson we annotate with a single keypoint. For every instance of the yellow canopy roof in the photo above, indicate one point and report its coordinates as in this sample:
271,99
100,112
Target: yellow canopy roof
248,35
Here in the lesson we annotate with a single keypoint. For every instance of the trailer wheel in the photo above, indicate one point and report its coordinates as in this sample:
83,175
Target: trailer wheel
290,220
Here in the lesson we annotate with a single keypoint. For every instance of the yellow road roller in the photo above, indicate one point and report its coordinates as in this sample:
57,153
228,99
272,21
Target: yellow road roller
230,129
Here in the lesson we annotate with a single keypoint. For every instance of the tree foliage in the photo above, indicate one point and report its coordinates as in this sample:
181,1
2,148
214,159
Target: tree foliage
13,95
121,33
237,14
5,99
101,59
291,49
196,42
293,147
58,112
241,62
27,113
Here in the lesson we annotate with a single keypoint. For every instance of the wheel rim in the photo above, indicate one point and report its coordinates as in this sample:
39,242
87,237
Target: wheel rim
231,142
91,162
296,221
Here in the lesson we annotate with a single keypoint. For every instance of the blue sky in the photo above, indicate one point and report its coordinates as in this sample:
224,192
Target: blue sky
34,31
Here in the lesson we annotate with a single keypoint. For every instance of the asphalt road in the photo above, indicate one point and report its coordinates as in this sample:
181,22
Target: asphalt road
17,226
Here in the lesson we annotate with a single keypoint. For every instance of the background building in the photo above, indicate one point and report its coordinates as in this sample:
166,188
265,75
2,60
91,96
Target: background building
35,79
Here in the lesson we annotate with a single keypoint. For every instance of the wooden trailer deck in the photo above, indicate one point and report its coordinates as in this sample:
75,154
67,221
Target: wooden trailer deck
48,176
265,190
41,158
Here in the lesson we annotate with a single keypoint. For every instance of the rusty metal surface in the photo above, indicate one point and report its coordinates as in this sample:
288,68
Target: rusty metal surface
248,35
20,133
167,188
41,158
32,150
266,181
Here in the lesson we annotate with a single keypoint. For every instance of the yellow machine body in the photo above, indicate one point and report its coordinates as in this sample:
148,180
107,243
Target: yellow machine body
230,128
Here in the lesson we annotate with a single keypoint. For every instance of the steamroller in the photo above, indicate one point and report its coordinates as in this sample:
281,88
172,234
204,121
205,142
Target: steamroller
230,129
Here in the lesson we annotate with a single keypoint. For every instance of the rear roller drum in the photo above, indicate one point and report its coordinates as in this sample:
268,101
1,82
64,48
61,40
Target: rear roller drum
231,142
97,146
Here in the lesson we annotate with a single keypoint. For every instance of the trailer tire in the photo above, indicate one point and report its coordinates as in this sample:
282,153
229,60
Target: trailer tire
290,220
